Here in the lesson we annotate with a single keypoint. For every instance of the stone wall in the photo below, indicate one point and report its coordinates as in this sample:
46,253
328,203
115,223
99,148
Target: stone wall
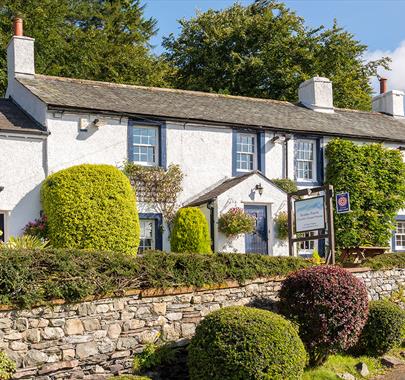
95,339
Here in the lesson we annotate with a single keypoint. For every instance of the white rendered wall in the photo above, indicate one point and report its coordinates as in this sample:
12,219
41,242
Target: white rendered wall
22,171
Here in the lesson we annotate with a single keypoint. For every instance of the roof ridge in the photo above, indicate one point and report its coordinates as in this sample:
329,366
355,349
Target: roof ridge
163,89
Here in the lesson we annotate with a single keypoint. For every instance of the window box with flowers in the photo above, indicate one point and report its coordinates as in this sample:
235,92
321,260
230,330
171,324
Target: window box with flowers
235,222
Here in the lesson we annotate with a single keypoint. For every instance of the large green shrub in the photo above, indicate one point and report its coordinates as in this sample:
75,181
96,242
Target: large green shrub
375,178
7,367
239,342
190,232
329,304
91,207
286,184
383,330
29,277
386,261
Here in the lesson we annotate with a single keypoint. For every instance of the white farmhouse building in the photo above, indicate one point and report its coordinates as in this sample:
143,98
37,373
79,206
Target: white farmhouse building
228,147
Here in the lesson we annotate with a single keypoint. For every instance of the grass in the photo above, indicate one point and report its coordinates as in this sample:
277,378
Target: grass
338,364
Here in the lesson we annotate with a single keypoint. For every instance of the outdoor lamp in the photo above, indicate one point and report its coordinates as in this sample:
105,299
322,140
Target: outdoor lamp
259,188
1,188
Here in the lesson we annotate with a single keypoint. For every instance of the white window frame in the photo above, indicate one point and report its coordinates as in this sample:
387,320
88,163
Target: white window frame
156,146
314,160
402,234
313,243
153,246
254,154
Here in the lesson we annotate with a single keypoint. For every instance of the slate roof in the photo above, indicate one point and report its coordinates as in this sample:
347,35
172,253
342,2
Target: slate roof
192,106
223,187
16,121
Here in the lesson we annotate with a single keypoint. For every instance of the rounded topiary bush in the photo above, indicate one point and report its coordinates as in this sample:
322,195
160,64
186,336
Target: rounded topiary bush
190,232
383,330
91,207
239,342
329,304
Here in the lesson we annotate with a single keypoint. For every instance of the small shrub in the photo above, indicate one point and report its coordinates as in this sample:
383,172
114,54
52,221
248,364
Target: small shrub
235,222
38,228
24,242
386,261
383,330
7,366
329,304
281,221
245,343
286,184
91,207
190,232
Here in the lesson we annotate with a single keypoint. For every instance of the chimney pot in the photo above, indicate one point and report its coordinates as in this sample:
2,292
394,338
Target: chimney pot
383,85
18,27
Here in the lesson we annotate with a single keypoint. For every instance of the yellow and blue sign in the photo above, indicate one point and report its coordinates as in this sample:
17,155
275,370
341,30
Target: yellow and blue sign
342,203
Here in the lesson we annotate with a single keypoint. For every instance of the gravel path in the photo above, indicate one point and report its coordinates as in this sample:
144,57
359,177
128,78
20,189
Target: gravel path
395,374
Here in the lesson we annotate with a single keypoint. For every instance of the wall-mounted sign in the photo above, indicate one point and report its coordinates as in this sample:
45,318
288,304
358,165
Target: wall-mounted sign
310,214
342,203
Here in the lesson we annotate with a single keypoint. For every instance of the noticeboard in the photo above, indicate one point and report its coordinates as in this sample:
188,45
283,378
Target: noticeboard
310,214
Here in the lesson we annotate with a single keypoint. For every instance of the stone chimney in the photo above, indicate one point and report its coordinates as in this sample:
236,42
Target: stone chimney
316,94
389,102
20,53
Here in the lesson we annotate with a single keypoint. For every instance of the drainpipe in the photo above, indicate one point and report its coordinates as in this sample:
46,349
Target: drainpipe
287,139
210,206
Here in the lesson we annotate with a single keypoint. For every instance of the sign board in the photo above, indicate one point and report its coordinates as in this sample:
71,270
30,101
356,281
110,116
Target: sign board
310,214
342,203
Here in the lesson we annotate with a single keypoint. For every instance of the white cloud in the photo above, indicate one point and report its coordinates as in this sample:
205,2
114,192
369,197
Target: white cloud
395,76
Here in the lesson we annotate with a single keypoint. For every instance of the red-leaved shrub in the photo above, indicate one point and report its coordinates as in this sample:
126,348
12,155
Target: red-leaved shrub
330,306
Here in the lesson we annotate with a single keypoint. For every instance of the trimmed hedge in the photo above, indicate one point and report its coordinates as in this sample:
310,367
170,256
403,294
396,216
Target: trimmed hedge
386,261
383,330
29,277
91,207
329,304
190,232
239,342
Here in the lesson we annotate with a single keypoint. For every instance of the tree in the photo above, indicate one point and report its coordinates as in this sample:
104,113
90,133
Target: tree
265,50
104,40
375,178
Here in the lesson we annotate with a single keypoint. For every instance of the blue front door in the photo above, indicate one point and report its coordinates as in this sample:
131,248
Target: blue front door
257,241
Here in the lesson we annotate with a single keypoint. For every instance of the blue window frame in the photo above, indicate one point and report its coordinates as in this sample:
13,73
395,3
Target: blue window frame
151,226
398,235
147,143
248,152
308,161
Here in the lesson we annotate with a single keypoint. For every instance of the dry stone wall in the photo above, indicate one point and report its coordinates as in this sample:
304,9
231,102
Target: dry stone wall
98,338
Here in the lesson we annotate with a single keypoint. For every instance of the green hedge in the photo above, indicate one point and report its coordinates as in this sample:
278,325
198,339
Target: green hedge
91,207
29,277
386,261
240,342
190,232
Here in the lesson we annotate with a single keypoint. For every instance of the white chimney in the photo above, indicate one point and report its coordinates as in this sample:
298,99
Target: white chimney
389,102
20,53
316,94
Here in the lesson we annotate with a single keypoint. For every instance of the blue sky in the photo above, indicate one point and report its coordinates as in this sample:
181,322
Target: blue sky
380,24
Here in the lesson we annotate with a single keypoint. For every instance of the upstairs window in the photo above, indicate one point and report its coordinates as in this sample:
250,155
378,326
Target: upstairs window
246,158
305,160
400,236
145,146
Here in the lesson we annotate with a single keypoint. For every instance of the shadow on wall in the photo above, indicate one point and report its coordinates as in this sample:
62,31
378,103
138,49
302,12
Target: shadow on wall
26,210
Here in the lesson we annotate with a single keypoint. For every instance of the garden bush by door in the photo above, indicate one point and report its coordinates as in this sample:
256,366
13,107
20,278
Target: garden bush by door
257,242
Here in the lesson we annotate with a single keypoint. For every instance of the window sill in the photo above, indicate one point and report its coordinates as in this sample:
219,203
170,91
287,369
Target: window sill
307,183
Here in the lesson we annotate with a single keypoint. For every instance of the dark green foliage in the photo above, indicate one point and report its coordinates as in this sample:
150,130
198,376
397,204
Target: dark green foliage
88,39
286,184
246,343
383,330
168,360
386,261
190,232
91,207
7,366
375,178
29,277
329,304
265,50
